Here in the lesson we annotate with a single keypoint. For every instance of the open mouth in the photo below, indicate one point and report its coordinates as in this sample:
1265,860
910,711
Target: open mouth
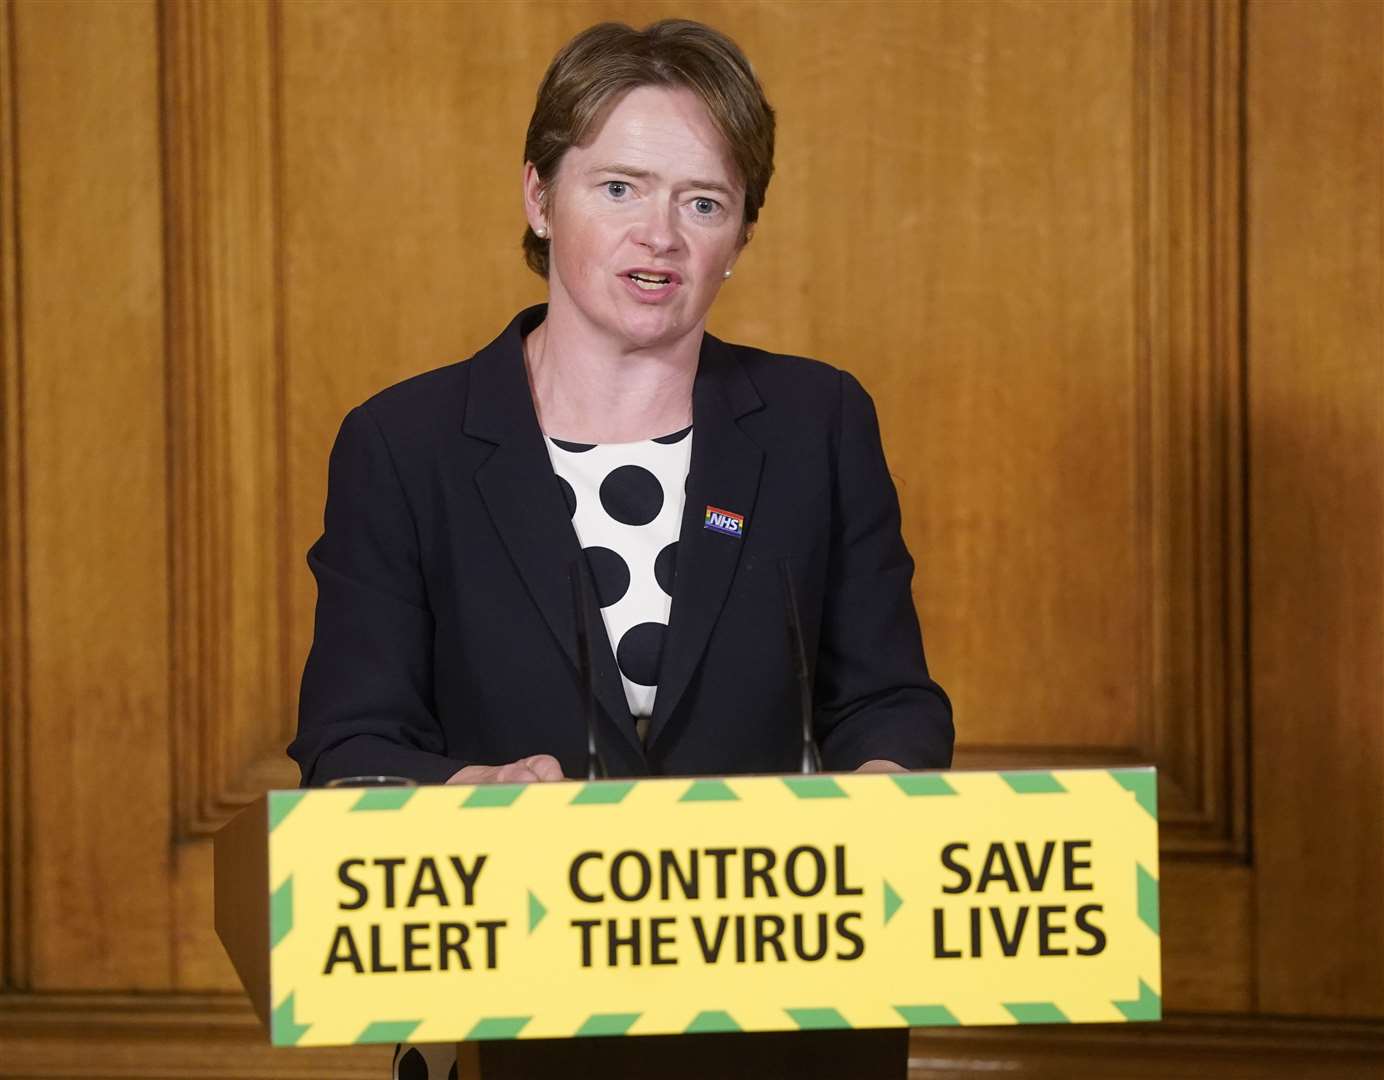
648,282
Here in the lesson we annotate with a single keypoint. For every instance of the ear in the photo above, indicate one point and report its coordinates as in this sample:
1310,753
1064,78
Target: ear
535,197
746,236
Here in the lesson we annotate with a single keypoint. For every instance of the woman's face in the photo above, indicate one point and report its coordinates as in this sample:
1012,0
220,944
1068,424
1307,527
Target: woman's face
644,221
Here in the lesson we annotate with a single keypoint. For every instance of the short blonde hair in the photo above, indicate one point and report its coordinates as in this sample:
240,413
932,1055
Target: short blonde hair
609,59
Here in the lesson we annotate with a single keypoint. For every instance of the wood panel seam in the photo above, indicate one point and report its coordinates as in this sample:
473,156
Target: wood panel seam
288,663
16,843
1233,22
1143,23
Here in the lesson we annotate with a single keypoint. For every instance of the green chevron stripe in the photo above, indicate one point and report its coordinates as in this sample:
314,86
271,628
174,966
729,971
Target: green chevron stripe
284,1029
1148,898
484,796
914,784
1148,1006
892,902
709,791
607,1024
1036,1012
281,912
814,787
602,793
498,1027
388,1031
705,1023
1143,784
536,912
1033,783
817,1019
385,798
927,1015
281,804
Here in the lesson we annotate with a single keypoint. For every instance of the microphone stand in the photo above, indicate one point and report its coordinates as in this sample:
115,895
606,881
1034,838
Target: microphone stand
595,764
811,754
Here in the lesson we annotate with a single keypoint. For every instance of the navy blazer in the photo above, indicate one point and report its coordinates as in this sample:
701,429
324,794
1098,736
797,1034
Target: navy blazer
445,633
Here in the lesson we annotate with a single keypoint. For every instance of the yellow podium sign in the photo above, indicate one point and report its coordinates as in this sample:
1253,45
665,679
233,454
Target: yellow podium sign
438,914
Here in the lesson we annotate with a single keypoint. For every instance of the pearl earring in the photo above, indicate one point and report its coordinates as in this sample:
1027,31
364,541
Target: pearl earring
726,274
542,232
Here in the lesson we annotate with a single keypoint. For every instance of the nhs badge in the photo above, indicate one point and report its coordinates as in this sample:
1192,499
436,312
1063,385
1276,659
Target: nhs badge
725,521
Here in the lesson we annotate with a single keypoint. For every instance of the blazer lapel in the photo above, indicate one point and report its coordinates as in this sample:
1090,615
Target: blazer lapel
526,505
724,473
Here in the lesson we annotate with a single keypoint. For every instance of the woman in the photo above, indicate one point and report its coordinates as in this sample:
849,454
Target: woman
688,477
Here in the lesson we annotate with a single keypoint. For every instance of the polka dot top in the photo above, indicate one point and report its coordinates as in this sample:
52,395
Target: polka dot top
626,501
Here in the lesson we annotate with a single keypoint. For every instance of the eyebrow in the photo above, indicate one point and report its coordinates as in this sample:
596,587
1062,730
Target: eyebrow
644,174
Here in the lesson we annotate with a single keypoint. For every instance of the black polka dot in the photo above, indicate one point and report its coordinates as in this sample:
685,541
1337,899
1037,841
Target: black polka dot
639,652
632,495
611,573
574,447
666,566
412,1066
676,437
569,495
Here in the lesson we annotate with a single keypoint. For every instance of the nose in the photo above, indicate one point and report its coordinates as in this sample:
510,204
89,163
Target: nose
657,228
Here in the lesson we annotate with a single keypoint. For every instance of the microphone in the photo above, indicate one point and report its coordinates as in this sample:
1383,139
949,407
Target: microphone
812,756
595,764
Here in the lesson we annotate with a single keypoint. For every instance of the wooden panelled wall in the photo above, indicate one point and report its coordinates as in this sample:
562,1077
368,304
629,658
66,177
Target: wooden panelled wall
1113,270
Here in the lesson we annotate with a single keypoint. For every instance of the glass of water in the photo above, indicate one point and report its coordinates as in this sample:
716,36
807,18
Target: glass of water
372,781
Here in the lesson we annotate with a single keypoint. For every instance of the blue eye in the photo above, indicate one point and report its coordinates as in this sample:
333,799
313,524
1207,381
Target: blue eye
706,206
616,189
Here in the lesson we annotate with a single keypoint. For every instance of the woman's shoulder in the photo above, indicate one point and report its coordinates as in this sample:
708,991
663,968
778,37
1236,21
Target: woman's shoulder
439,399
438,392
418,419
786,378
777,364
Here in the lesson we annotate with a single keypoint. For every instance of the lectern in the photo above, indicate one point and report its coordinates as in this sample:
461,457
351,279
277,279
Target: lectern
754,926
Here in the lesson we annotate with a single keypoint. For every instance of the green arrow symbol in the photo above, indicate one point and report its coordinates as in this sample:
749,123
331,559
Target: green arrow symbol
536,912
892,902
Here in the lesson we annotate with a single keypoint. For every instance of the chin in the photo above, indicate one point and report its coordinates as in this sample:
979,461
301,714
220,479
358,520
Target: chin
654,327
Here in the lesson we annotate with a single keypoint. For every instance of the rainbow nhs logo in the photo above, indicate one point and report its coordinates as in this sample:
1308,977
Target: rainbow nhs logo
725,521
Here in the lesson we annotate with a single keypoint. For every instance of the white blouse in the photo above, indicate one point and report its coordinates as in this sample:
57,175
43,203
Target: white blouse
626,501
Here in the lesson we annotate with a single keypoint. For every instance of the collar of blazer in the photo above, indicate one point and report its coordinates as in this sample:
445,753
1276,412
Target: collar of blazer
526,505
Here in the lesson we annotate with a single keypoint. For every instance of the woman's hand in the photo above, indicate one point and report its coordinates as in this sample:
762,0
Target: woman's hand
881,765
536,767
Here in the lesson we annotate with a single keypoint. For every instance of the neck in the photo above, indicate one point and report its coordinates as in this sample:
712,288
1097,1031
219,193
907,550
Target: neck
589,389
